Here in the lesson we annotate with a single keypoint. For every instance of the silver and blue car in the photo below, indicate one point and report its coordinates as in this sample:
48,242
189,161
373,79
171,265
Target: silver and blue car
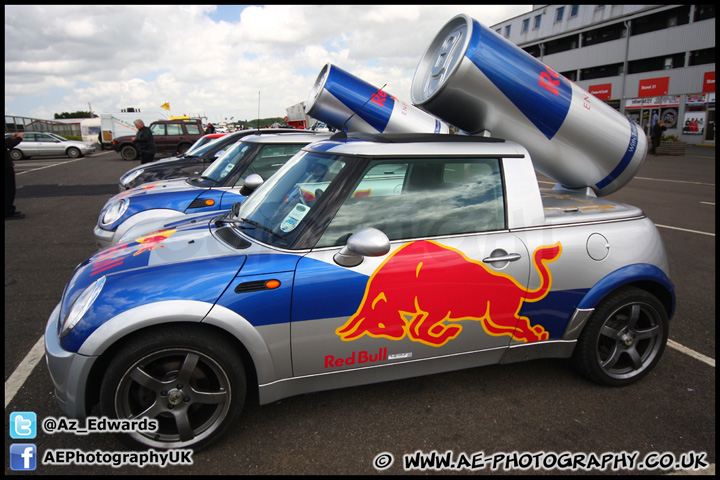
364,259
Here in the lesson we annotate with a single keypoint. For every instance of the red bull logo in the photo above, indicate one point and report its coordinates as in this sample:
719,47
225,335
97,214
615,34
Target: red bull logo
423,289
113,256
152,241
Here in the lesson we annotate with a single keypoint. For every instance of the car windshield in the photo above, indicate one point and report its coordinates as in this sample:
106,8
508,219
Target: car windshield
202,146
278,207
224,165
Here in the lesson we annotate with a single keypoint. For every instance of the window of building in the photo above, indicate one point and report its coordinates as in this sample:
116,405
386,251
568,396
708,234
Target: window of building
559,14
663,62
574,9
507,31
661,20
704,12
533,50
525,25
537,21
601,71
604,34
702,57
561,44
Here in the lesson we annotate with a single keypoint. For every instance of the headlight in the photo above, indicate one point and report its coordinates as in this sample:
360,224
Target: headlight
115,211
81,306
130,176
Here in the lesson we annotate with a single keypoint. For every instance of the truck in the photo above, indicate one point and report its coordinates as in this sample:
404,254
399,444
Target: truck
119,124
170,136
366,258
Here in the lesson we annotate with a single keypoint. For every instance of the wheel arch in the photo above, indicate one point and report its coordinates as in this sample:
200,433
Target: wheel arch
643,276
187,316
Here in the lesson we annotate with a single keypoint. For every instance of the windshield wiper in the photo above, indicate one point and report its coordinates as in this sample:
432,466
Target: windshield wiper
201,177
261,227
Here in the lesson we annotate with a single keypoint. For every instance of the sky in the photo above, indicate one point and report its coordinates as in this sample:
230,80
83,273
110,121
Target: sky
221,62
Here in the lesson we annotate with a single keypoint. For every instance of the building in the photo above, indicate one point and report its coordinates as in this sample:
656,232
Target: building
644,60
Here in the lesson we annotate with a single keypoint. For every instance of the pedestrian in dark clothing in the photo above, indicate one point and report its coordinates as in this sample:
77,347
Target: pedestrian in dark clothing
656,135
144,142
210,128
10,212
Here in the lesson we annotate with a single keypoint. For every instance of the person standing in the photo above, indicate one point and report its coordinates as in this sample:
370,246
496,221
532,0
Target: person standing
10,212
656,135
144,142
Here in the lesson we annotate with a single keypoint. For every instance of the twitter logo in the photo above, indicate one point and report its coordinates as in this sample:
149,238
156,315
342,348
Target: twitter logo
23,425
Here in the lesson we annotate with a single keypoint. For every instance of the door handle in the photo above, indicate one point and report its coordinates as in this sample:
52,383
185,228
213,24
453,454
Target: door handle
510,257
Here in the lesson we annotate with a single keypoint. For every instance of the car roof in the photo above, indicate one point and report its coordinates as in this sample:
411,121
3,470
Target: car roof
417,144
287,137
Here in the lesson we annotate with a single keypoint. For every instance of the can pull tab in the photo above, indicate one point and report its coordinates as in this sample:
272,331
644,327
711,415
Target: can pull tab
445,53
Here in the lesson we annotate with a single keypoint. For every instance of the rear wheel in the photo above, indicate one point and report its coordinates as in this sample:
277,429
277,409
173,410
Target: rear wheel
192,381
183,147
623,339
128,152
16,154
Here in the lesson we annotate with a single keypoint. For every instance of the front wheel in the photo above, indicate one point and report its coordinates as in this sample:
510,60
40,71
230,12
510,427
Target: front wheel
128,152
73,152
623,339
192,381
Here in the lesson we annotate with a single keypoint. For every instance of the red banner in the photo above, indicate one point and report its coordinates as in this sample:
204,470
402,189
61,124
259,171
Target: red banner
709,82
603,92
653,87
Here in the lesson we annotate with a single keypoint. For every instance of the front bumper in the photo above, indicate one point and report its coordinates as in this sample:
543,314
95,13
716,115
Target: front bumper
103,238
69,371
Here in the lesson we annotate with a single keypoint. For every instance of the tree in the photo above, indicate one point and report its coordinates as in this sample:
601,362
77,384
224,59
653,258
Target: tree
77,114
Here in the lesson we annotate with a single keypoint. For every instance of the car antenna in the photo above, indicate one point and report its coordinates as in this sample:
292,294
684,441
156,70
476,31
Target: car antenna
342,134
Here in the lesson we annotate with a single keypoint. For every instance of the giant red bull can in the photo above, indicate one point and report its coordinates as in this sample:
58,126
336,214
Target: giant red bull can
345,102
476,80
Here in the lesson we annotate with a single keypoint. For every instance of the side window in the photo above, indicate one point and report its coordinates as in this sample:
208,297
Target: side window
158,129
192,129
29,137
422,198
269,160
174,129
41,137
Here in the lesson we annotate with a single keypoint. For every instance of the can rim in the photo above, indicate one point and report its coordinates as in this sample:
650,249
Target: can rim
420,91
317,88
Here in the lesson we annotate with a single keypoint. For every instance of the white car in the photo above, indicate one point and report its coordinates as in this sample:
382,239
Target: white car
46,143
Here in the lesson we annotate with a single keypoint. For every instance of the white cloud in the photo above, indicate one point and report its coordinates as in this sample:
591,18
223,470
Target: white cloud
60,58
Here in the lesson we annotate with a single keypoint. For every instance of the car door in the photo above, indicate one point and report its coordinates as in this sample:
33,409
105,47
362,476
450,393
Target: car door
451,284
47,145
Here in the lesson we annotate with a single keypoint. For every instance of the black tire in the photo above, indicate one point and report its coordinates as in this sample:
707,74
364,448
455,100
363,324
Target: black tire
128,152
623,339
73,152
183,147
16,154
191,380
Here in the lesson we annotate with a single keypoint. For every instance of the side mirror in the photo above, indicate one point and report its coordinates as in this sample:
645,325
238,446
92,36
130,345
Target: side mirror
252,182
369,242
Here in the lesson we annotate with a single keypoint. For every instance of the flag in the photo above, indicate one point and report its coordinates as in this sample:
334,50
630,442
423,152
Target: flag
166,106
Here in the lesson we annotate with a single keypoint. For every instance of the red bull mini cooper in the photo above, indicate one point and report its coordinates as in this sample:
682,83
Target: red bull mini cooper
366,258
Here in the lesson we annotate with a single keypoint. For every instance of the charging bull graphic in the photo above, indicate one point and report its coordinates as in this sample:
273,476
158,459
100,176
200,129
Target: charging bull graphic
423,288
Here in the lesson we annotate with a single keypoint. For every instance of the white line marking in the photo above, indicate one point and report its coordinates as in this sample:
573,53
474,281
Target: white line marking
692,353
708,203
675,181
48,166
23,371
685,230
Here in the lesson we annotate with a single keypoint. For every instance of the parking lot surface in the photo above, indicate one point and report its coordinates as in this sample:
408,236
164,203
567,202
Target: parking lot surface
520,413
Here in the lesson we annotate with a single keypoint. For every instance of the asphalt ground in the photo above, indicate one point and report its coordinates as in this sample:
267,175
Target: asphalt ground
526,408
